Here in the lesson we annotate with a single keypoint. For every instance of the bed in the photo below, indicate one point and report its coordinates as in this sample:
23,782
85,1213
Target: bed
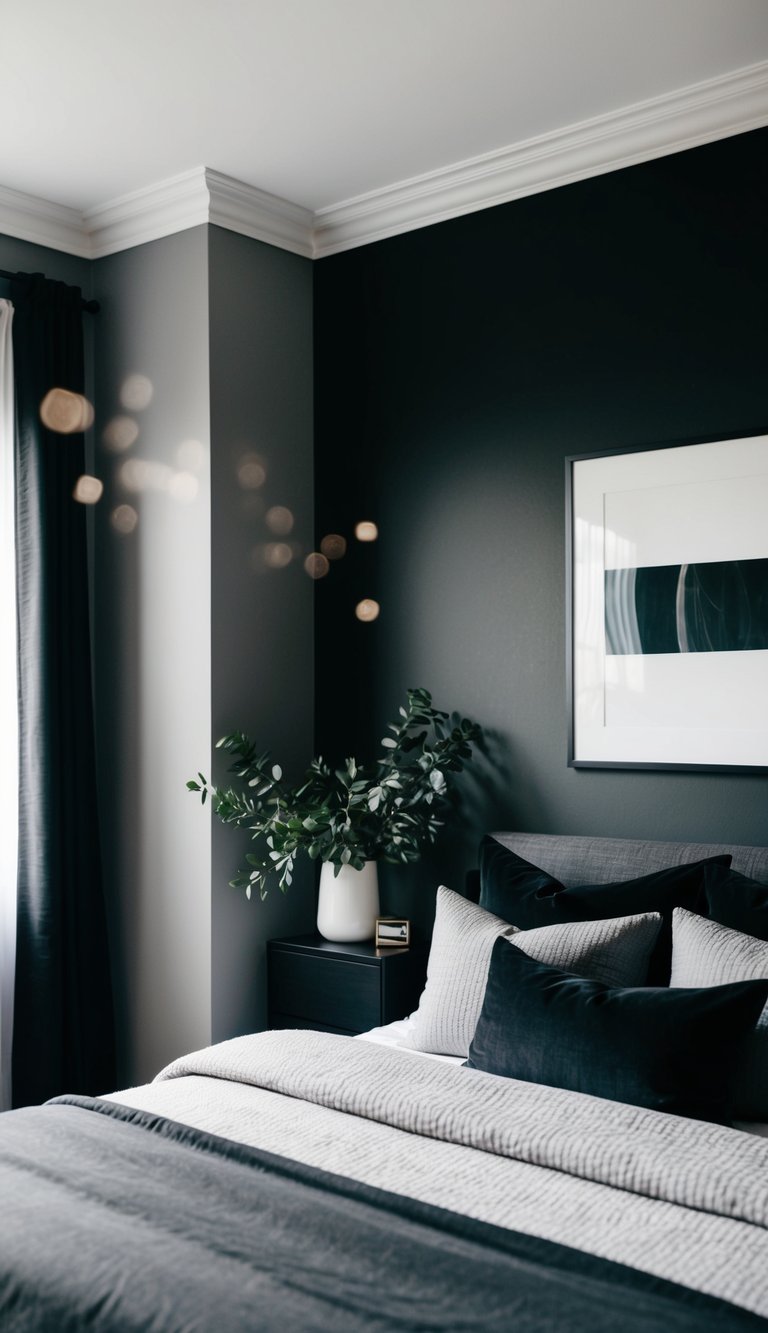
302,1180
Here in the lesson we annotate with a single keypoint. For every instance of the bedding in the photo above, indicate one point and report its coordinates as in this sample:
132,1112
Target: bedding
615,952
682,1200
525,894
399,1036
510,884
673,1050
299,1180
211,1234
705,953
736,901
672,1216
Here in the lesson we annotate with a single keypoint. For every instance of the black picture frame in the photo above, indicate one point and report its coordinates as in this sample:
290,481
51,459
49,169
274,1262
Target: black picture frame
695,503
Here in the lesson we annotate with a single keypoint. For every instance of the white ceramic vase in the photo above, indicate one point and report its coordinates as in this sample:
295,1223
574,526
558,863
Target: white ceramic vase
349,903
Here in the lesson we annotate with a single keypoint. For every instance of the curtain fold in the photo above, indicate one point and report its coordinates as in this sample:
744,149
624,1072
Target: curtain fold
63,1034
9,727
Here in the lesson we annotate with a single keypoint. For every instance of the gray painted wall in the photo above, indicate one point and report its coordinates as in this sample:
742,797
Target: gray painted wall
23,256
153,645
261,367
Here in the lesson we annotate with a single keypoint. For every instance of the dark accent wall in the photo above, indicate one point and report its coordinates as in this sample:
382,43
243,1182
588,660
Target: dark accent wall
456,367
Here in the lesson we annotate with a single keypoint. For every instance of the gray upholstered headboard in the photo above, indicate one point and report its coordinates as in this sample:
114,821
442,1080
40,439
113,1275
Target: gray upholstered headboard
579,860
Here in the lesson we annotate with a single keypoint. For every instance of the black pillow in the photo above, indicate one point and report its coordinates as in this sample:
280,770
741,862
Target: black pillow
529,897
734,900
670,1050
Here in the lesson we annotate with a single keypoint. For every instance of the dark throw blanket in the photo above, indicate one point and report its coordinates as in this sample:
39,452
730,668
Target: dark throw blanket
118,1220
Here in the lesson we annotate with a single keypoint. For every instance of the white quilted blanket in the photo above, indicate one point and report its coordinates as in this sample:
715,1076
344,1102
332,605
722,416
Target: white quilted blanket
681,1199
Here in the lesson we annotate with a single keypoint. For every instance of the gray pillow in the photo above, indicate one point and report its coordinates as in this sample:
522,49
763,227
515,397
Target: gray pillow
704,953
615,952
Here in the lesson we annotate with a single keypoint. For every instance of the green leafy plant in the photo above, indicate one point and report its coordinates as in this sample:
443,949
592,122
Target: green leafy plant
388,810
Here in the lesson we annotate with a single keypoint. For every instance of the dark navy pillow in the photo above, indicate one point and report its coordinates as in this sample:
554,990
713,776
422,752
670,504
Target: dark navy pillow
529,897
735,901
670,1050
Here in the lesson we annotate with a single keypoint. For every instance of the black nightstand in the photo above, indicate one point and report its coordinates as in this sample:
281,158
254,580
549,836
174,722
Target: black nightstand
345,988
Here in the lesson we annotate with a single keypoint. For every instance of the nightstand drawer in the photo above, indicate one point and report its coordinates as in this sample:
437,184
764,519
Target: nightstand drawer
345,995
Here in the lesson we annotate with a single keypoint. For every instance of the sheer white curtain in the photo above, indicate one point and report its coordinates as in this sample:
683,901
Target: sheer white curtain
9,732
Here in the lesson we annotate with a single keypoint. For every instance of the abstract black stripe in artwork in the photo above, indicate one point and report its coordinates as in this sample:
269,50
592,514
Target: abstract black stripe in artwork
714,606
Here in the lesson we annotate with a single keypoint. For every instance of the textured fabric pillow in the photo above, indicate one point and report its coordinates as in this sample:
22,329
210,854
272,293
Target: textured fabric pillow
704,953
670,1050
615,952
736,901
526,895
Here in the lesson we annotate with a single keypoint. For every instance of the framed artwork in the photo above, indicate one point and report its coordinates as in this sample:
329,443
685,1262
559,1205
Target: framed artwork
667,606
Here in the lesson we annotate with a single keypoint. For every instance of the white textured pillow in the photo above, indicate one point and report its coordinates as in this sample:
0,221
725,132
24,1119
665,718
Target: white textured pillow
615,952
704,953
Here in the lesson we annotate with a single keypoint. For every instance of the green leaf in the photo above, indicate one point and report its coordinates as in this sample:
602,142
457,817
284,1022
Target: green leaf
385,809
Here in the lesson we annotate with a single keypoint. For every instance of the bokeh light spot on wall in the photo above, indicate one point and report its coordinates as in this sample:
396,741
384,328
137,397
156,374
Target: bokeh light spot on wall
366,531
367,610
120,433
88,490
124,519
138,474
277,555
190,456
251,471
136,392
66,412
279,520
183,486
333,546
316,565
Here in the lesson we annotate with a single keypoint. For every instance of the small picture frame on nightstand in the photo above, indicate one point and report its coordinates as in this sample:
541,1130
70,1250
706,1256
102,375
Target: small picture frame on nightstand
392,932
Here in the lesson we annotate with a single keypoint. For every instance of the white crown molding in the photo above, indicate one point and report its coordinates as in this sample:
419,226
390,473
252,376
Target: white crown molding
145,215
729,104
715,109
192,198
54,225
263,216
187,200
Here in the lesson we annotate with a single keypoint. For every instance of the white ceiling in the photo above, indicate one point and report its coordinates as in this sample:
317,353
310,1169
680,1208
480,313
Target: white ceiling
320,101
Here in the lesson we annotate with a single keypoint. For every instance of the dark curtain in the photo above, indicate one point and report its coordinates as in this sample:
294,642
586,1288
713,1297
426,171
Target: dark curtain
63,1037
